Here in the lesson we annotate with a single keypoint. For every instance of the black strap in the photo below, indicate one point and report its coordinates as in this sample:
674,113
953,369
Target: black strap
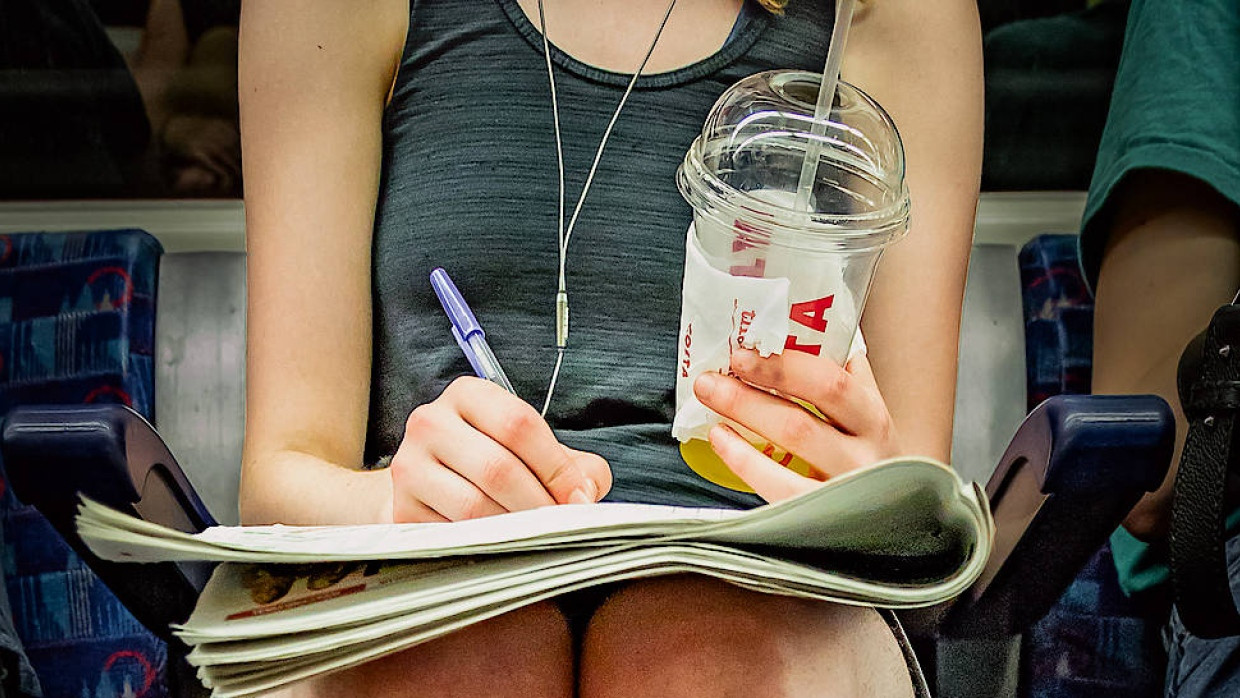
1210,393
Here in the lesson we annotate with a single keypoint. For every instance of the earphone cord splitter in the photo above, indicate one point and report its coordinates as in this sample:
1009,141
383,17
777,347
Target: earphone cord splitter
565,234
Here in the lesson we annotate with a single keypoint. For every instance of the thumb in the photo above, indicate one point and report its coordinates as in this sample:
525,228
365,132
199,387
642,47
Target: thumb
595,470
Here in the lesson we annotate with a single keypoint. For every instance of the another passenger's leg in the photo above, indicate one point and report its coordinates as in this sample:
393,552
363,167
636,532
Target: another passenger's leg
524,653
695,636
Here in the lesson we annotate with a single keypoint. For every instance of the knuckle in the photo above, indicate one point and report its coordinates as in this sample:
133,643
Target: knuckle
461,385
400,465
518,423
398,471
471,505
495,473
406,465
419,419
800,429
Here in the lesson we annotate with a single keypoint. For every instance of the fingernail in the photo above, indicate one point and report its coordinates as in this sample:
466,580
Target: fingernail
722,437
579,496
591,490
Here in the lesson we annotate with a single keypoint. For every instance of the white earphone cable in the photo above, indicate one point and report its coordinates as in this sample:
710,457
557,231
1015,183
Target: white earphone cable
565,234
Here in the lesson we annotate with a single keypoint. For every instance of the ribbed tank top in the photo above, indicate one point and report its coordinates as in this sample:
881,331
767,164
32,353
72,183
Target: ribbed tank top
469,183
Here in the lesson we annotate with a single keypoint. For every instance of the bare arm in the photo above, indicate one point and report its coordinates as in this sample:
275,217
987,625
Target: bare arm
922,61
314,78
1172,258
314,75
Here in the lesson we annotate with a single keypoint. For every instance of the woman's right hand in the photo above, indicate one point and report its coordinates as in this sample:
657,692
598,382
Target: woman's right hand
477,450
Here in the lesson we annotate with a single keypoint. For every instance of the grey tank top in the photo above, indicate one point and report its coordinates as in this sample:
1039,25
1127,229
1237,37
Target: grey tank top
469,183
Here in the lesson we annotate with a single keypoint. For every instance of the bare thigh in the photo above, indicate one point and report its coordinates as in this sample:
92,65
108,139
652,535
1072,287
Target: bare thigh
694,636
527,652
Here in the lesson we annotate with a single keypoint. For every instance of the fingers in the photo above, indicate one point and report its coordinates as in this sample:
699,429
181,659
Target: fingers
847,396
770,480
786,424
518,427
492,468
439,490
478,451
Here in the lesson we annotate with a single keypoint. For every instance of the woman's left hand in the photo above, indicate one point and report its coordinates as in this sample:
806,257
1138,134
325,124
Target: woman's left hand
857,431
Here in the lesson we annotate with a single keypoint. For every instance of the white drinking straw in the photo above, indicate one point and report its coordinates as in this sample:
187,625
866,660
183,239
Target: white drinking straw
826,96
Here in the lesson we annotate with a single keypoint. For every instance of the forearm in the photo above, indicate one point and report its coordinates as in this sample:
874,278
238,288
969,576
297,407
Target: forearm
290,487
1172,258
922,62
313,76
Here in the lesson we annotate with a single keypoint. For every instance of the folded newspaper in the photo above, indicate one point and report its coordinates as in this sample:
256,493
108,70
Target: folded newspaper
294,602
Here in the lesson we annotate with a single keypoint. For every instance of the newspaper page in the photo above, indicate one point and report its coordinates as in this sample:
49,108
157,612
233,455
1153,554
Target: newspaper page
295,601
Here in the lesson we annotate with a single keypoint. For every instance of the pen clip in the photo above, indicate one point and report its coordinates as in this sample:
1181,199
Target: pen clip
454,304
469,352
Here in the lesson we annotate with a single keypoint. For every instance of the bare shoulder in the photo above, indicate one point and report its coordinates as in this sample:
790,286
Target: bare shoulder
912,17
322,39
901,50
904,31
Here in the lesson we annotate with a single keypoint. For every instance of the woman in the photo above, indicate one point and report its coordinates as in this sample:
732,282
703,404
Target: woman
388,137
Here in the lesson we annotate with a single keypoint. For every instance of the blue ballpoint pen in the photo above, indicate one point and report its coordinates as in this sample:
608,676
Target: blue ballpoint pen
467,332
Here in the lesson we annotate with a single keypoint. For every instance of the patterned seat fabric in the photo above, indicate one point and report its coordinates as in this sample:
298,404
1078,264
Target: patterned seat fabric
1095,641
77,314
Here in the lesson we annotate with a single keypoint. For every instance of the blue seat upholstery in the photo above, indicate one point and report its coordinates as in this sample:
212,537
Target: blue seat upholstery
1095,641
76,327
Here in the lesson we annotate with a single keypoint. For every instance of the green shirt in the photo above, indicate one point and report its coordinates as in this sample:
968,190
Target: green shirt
1143,567
1176,106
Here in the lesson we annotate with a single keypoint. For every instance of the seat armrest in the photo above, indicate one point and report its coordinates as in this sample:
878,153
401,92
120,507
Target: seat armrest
54,454
1076,467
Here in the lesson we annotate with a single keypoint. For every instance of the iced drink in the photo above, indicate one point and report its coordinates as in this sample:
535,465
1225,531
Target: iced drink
759,273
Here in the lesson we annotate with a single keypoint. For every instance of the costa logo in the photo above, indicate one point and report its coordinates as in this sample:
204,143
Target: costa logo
105,272
811,314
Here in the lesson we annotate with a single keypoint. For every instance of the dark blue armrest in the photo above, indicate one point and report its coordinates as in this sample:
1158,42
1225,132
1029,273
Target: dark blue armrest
53,454
1076,467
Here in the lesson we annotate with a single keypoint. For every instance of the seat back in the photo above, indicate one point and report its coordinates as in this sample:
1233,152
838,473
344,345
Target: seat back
76,326
1094,640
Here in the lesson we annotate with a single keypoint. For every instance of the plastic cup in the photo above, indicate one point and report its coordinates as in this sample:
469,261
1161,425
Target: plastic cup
741,176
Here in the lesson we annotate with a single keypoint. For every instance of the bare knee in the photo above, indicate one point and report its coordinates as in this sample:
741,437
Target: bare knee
693,636
527,652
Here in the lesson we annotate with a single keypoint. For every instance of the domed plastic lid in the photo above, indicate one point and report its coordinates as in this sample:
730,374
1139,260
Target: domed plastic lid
746,164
